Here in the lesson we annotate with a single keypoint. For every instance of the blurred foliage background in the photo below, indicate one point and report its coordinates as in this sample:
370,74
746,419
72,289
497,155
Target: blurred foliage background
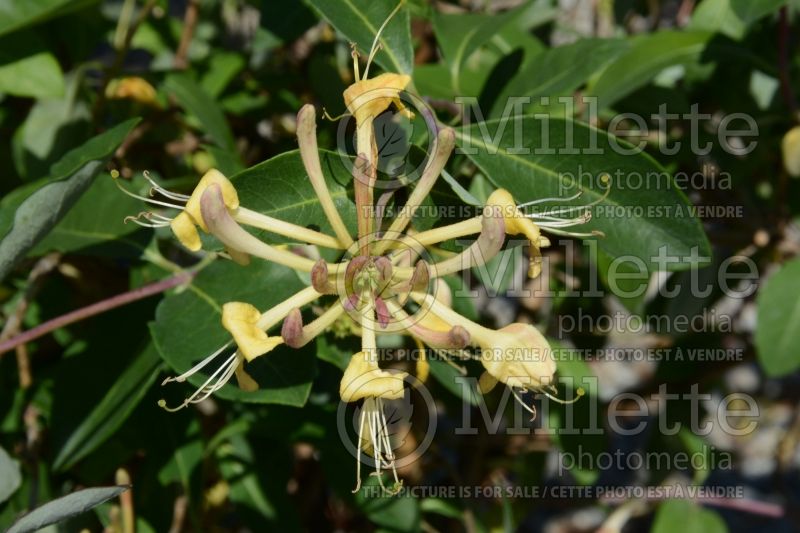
177,87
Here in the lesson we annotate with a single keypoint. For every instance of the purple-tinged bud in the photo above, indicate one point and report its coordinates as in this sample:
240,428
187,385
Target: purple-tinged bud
319,278
292,329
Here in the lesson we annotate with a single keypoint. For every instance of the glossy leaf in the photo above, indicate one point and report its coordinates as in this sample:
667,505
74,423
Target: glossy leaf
461,35
778,329
280,188
359,21
65,507
29,212
634,220
559,71
97,218
648,56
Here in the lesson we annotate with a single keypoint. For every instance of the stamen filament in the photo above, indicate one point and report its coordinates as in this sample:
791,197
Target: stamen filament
146,199
374,49
198,366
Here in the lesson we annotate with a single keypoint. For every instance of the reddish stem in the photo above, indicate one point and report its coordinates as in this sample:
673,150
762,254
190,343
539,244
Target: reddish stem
94,309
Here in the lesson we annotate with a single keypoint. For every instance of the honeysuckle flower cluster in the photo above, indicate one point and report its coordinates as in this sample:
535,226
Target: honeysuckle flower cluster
382,275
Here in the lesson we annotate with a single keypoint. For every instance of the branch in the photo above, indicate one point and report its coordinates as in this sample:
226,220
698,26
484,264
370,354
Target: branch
189,24
95,309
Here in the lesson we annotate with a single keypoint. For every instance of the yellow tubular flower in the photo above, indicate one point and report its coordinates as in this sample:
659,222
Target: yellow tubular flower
241,320
229,195
366,99
363,378
184,228
516,223
517,355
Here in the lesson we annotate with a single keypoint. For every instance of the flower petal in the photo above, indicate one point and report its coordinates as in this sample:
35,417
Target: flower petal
229,195
184,229
364,379
241,320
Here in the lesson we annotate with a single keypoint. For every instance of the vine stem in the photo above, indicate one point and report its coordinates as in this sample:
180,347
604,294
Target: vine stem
95,309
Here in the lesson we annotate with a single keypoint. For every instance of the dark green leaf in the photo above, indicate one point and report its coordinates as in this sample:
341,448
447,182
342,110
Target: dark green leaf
648,56
559,71
28,213
634,220
461,35
359,21
280,188
98,217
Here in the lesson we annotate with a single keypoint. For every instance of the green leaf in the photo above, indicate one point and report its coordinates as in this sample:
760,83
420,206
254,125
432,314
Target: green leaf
37,76
10,477
648,56
194,99
687,517
636,221
461,35
359,21
109,414
280,188
778,328
17,14
29,212
97,218
731,17
65,507
561,70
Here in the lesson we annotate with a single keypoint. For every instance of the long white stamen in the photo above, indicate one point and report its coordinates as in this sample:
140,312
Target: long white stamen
162,191
160,218
578,395
222,375
135,220
145,198
374,49
575,234
551,199
198,366
361,422
530,408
